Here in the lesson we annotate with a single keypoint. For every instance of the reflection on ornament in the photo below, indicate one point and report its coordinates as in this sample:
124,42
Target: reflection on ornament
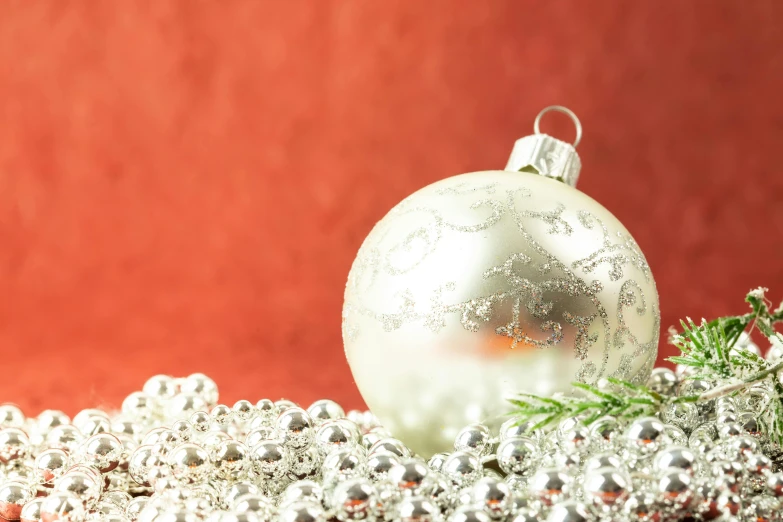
491,283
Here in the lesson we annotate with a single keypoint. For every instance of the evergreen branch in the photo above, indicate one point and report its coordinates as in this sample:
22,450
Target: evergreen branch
713,349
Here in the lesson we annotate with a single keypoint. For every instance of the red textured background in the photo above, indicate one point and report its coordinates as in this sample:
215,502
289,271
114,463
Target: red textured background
183,185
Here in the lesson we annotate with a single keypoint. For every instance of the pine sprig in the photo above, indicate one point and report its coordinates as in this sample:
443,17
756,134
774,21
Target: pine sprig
711,349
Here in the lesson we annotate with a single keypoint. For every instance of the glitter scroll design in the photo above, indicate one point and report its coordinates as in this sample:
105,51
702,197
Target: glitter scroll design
523,296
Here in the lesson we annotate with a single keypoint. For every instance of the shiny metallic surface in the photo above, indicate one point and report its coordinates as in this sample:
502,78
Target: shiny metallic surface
606,486
549,485
570,511
295,427
494,496
62,506
50,464
355,500
231,460
189,462
475,438
13,497
516,454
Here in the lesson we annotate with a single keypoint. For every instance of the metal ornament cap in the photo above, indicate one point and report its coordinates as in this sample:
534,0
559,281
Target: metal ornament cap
542,154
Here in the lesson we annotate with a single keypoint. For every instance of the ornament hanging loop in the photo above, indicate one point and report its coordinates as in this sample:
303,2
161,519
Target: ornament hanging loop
547,156
565,110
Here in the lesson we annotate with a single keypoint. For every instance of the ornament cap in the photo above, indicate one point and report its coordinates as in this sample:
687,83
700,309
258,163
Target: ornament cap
542,154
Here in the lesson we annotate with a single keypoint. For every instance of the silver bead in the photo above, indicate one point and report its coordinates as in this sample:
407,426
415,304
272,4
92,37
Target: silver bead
514,427
296,428
674,489
516,454
775,484
463,468
663,381
698,387
728,431
62,507
212,439
409,476
302,512
436,461
161,435
189,462
102,451
676,457
230,460
139,406
549,485
603,460
494,496
354,500
236,491
14,445
183,430
303,490
333,435
86,419
221,415
49,465
11,416
368,439
674,435
604,430
344,464
161,387
135,506
265,410
184,405
569,511
324,410
743,445
475,438
469,514
391,445
379,465
82,484
138,466
13,497
305,463
271,460
48,419
606,487
200,421
644,435
31,512
758,465
243,410
66,437
576,439
683,415
257,504
642,507
201,385
260,434
417,509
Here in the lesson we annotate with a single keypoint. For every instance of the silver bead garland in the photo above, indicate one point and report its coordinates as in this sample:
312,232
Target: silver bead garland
173,454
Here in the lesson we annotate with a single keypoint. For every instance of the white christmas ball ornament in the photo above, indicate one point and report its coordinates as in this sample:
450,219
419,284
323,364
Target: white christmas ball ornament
491,283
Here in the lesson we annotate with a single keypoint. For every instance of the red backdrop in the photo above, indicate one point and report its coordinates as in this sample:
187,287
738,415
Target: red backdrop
183,185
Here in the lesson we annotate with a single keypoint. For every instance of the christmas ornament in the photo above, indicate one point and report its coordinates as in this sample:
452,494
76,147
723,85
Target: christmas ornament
491,283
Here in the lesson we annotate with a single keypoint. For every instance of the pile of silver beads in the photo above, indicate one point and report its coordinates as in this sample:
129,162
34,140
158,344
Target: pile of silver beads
175,454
